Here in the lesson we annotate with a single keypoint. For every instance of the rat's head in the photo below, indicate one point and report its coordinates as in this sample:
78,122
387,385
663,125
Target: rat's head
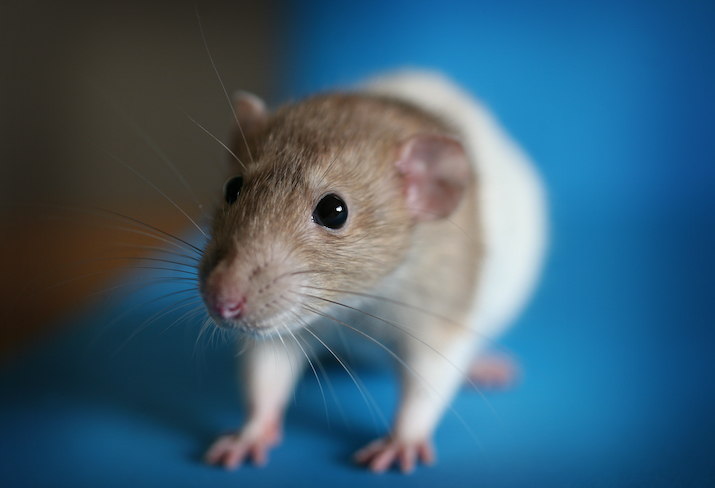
323,204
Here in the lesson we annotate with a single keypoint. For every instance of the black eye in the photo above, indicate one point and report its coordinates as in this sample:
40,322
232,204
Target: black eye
232,188
331,212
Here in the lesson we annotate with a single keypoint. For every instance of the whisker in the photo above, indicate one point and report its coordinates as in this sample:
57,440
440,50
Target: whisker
346,344
207,323
158,249
404,364
156,316
326,377
225,335
406,330
95,273
187,316
192,267
152,145
215,139
172,238
157,189
214,332
446,219
372,405
228,98
155,233
492,342
246,343
27,290
315,373
290,363
153,281
119,317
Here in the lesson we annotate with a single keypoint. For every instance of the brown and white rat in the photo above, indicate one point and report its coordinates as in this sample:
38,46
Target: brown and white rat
399,209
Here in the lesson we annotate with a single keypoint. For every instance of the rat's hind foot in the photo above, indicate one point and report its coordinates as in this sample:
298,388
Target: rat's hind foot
383,453
494,371
232,450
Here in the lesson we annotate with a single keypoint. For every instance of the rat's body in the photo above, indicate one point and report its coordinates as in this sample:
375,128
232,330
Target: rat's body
401,210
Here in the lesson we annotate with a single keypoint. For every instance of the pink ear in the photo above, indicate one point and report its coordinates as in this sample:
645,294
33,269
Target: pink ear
436,172
251,112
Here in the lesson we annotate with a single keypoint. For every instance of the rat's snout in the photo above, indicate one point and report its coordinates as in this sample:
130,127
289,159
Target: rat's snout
225,307
254,290
223,297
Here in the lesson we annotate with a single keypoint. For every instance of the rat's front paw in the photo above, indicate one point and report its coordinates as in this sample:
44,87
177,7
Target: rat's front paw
383,453
232,450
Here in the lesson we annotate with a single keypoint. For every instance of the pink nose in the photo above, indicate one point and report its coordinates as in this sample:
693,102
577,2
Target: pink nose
229,308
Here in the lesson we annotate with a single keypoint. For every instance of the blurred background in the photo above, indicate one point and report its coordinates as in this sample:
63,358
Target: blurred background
90,88
613,100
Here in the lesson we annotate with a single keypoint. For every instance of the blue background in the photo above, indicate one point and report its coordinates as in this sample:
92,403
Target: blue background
614,102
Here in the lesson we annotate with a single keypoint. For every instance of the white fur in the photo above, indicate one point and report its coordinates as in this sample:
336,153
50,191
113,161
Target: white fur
512,201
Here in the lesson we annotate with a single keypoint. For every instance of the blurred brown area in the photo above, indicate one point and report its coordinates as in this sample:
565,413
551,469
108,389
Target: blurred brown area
92,93
54,262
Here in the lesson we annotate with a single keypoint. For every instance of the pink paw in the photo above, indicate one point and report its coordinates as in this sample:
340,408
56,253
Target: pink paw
494,371
232,450
383,453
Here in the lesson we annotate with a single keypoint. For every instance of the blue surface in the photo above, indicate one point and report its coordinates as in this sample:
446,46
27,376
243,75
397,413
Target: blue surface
614,101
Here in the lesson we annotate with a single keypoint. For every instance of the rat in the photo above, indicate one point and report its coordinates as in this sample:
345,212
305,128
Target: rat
400,210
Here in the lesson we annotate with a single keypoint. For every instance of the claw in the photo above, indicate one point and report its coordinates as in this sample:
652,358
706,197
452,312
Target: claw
232,450
381,454
494,371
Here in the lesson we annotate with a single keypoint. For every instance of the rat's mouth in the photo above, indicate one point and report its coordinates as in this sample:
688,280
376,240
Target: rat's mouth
259,328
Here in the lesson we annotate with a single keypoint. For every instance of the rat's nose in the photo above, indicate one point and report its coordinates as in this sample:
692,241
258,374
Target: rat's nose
229,308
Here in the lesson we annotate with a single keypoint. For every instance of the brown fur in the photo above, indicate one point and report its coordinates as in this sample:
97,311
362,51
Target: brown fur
345,144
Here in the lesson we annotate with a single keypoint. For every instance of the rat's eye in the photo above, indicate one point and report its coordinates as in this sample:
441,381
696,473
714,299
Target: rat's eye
232,188
331,212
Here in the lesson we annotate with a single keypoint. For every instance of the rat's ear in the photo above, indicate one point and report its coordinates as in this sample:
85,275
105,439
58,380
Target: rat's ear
435,171
251,112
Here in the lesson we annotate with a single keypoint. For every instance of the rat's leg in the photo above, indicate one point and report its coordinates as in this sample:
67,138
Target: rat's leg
270,370
430,379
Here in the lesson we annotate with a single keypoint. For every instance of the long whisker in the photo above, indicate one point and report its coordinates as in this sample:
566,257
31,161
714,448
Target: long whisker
119,317
156,316
492,342
212,338
228,98
246,343
25,292
434,214
406,330
158,249
207,323
157,189
372,405
326,377
227,336
312,367
192,267
155,233
293,372
152,145
147,282
187,316
104,271
215,138
403,363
